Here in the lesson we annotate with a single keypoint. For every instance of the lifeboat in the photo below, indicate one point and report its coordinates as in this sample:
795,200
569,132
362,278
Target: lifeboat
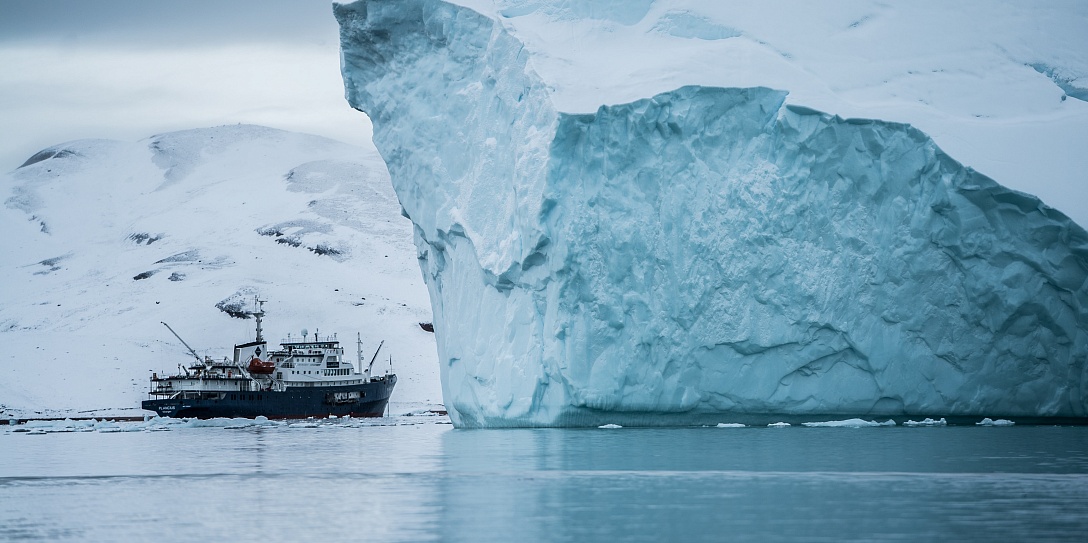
261,367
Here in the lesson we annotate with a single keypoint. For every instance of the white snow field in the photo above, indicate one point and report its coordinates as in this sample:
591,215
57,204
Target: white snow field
649,212
102,240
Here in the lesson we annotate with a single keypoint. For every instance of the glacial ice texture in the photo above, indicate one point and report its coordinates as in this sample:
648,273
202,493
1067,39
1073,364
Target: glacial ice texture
706,251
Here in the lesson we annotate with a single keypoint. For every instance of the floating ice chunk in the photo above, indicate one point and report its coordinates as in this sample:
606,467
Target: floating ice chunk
999,422
926,422
849,423
778,425
107,426
610,426
61,426
730,425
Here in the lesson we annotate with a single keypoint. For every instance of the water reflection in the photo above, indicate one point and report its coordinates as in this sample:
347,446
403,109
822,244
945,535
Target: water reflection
758,484
427,482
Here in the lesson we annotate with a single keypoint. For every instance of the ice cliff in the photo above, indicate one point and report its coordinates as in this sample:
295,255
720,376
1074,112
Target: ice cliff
704,254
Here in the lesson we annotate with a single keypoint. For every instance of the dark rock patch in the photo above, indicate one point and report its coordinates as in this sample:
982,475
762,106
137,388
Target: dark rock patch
187,256
144,238
323,249
47,154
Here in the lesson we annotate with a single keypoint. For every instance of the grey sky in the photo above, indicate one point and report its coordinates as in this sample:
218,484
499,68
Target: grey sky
127,69
167,23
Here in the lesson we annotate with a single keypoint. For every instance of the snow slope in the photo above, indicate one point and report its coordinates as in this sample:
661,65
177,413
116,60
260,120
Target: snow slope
604,241
104,239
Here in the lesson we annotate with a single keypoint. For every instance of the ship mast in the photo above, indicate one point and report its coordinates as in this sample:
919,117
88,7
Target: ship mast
359,348
258,314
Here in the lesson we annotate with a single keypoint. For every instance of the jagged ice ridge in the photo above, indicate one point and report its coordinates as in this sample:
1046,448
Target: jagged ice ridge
704,251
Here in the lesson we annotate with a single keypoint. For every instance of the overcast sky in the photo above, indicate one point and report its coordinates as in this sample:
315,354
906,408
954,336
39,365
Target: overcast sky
128,69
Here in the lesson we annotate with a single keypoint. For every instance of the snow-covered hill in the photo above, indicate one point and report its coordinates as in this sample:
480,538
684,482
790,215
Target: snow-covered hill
102,240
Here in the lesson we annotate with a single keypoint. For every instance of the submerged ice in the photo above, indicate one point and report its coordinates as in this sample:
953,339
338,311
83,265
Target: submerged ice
704,251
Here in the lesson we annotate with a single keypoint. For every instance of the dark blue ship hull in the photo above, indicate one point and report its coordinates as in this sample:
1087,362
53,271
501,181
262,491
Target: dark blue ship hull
361,400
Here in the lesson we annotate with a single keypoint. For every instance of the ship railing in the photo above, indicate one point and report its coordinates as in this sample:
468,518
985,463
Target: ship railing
309,339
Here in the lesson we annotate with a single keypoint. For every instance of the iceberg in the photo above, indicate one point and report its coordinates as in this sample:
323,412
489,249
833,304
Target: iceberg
704,253
849,423
925,423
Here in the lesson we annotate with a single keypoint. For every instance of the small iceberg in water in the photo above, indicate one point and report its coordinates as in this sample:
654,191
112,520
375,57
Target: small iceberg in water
927,422
849,423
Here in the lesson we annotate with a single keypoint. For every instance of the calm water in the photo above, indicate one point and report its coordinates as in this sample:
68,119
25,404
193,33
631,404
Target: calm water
426,481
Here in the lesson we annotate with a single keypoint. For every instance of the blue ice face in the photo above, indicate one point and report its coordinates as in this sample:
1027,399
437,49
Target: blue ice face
705,250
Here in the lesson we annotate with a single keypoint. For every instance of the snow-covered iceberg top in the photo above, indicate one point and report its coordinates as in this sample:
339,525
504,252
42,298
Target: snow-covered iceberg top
704,251
1000,86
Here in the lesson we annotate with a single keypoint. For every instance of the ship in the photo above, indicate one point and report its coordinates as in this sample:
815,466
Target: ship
306,377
